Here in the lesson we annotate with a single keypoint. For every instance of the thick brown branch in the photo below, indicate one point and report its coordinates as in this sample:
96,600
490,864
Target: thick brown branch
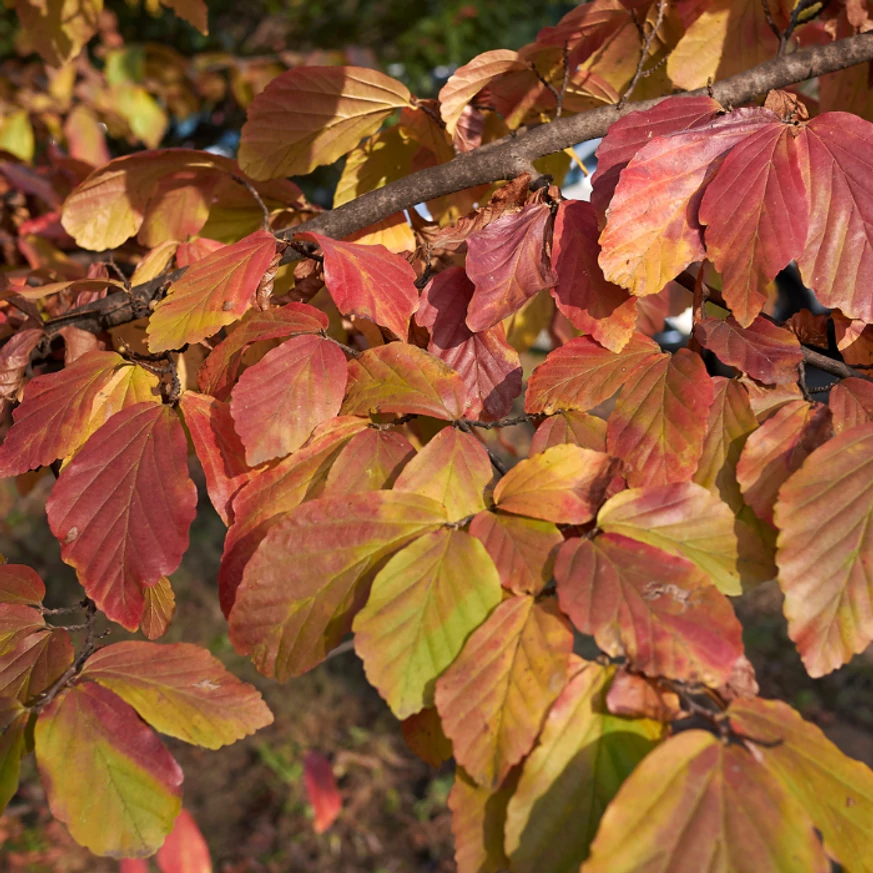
505,159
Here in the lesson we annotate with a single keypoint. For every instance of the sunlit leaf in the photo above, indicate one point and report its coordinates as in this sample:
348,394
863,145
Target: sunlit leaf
683,519
311,573
213,292
493,698
453,469
657,610
507,263
310,116
181,690
370,461
851,402
583,756
660,418
695,797
122,508
107,775
423,605
404,379
195,12
573,428
564,484
58,29
823,516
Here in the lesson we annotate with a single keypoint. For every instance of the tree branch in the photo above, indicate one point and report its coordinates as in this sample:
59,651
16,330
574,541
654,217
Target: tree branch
504,159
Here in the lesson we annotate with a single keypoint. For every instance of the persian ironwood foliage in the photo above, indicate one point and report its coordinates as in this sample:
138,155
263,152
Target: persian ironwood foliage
349,382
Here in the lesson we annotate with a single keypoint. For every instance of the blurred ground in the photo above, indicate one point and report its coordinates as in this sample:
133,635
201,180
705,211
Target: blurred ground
249,798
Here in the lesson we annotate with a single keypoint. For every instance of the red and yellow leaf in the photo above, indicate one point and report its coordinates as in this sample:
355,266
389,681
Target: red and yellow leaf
279,401
657,610
311,573
34,663
160,607
20,584
494,697
370,461
824,551
851,402
181,690
660,418
564,484
423,605
572,428
403,379
106,774
122,508
311,116
213,293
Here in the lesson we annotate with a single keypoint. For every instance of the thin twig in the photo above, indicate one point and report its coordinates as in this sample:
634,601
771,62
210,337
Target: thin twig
504,422
258,199
496,462
565,59
647,45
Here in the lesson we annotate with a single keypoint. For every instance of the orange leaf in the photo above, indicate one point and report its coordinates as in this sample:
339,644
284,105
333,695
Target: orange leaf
184,850
573,428
122,508
370,461
311,116
321,789
851,402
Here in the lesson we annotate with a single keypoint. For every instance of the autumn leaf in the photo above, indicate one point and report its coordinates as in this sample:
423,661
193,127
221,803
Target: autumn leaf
851,402
682,519
275,491
823,515
181,690
20,584
404,379
219,371
835,790
564,484
279,401
570,428
311,116
185,849
34,663
594,306
311,573
493,698
761,177
382,158
424,736
522,549
369,282
582,374
762,350
321,789
213,292
48,423
488,365
122,508
423,606
583,756
660,419
653,231
107,775
840,209
159,609
697,797
370,461
58,29
13,722
657,610
506,262
453,469
778,448
218,448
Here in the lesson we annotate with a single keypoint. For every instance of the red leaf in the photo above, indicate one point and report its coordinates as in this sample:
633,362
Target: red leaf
274,492
122,508
657,610
851,402
369,282
573,428
218,448
634,696
593,305
279,401
756,212
404,379
34,663
582,374
184,850
371,460
565,484
196,250
321,790
218,372
660,418
778,448
762,350
424,735
629,134
487,364
15,358
54,412
508,265
213,292
840,240
20,584
653,231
